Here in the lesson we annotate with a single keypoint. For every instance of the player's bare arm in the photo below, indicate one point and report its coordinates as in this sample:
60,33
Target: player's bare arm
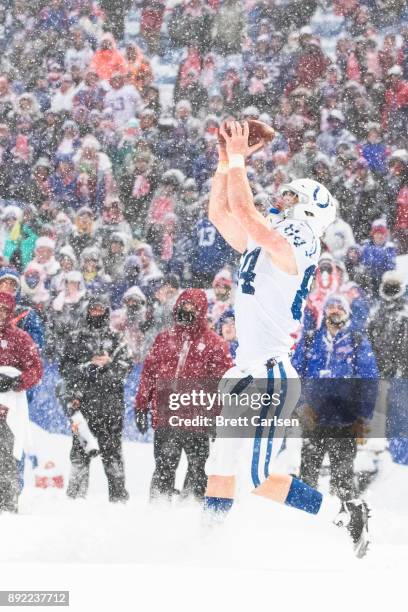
219,212
242,206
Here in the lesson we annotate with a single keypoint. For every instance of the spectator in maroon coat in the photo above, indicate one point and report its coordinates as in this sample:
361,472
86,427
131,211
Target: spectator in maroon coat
395,109
188,351
151,22
17,350
312,63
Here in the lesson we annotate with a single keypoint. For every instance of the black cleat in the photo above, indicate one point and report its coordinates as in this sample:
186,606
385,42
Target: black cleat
358,526
354,516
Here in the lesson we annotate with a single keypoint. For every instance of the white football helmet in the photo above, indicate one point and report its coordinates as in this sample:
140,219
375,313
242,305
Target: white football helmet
316,205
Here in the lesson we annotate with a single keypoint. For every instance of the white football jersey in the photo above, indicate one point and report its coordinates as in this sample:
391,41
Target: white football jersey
268,302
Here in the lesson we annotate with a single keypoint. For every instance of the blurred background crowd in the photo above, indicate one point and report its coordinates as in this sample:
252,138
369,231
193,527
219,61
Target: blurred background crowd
109,113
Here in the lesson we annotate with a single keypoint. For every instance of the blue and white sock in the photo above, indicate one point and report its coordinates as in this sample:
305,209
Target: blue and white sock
304,497
217,505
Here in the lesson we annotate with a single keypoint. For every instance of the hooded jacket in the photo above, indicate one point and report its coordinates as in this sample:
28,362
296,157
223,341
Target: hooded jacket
101,386
183,352
17,349
377,259
331,368
25,316
388,333
396,97
106,62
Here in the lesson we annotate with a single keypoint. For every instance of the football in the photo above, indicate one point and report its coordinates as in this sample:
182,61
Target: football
258,130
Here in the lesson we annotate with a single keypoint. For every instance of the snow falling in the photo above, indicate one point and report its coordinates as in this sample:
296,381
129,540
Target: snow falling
109,262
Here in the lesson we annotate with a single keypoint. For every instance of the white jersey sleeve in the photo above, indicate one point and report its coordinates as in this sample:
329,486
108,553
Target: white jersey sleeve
303,240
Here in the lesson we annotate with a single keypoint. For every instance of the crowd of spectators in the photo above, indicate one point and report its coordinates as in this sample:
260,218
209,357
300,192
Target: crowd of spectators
105,163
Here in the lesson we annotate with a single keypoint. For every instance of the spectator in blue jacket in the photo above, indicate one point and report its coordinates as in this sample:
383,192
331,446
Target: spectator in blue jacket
378,254
130,278
206,163
64,183
225,327
211,254
338,397
375,150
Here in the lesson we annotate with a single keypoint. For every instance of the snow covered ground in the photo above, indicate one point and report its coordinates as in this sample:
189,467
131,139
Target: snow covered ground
51,528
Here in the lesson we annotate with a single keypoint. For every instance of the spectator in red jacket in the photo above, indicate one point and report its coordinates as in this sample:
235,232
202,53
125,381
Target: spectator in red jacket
17,350
152,16
395,109
188,351
401,221
311,65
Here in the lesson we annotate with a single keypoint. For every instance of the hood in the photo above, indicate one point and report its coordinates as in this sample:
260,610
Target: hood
108,36
326,281
100,321
199,299
68,251
63,297
134,292
38,293
11,273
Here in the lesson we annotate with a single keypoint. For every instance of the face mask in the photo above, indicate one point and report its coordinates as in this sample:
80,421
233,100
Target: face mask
391,289
133,272
185,317
135,311
97,322
46,215
337,320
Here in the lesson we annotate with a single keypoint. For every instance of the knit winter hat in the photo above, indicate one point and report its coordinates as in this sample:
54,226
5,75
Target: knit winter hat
67,251
392,285
223,277
74,277
338,300
10,273
46,242
380,226
135,293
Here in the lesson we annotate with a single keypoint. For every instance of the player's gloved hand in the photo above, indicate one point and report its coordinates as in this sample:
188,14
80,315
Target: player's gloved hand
7,383
141,421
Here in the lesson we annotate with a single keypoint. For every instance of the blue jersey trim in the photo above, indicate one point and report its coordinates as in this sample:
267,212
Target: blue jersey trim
259,430
282,400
